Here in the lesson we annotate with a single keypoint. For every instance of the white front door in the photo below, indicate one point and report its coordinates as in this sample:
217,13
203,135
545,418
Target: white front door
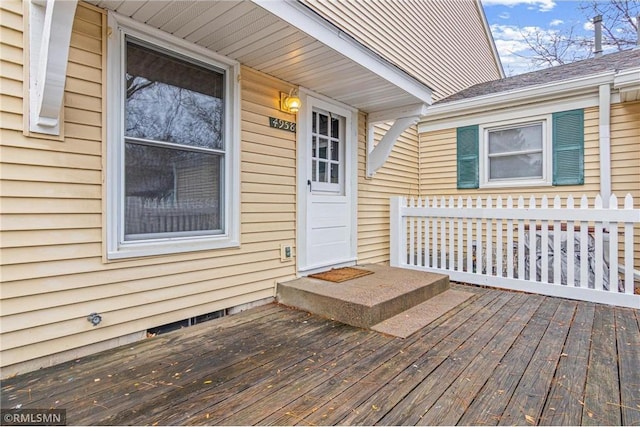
327,176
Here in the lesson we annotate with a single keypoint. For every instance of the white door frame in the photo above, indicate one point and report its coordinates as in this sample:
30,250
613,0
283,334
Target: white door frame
309,100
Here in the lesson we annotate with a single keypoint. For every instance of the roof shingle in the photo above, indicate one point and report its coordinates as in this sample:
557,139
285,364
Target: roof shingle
610,62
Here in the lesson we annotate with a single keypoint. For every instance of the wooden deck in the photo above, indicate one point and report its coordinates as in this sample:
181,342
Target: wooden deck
499,358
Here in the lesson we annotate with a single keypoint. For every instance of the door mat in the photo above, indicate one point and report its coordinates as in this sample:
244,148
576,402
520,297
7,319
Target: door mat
339,275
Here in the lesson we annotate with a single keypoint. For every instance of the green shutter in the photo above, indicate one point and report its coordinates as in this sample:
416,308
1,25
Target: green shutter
468,157
568,148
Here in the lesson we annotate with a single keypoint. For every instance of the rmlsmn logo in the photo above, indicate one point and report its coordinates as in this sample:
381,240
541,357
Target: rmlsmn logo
34,417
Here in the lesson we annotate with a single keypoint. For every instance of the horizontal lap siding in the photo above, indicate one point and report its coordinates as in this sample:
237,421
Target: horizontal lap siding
443,44
625,159
398,176
53,272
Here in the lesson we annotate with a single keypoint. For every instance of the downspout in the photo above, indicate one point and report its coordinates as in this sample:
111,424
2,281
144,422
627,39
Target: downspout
605,143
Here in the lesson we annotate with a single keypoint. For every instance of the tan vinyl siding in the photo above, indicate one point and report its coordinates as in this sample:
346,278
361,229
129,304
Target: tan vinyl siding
442,43
53,271
625,159
398,176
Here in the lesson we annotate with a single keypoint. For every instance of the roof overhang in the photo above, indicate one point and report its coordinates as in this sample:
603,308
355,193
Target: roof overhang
286,40
628,83
580,93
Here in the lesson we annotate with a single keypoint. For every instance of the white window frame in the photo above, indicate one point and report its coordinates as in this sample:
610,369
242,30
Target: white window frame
547,150
117,247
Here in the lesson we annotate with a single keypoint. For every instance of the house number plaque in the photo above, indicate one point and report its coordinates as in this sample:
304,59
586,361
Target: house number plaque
282,124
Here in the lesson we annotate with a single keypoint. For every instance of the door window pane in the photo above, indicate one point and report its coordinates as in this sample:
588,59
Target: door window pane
335,178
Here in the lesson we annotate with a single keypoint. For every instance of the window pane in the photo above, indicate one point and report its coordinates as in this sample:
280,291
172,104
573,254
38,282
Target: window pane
171,100
323,128
314,147
322,149
314,120
335,179
335,127
171,191
516,139
322,172
518,166
335,150
314,173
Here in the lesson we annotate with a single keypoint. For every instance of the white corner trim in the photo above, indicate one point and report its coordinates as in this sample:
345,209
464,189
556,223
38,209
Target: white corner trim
50,27
302,18
604,112
377,156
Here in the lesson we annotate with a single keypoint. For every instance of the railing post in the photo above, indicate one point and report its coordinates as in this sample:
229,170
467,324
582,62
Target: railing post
398,235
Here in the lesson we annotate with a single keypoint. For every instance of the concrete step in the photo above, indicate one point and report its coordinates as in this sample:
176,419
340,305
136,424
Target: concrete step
365,301
412,320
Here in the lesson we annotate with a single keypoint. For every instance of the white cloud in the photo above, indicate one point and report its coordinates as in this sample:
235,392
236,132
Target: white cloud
504,15
514,51
588,26
541,5
556,22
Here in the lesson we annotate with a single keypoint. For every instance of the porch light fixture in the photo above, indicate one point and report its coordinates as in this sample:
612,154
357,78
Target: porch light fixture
290,103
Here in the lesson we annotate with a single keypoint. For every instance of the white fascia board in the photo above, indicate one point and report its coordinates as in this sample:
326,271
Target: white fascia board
302,18
628,79
517,97
521,111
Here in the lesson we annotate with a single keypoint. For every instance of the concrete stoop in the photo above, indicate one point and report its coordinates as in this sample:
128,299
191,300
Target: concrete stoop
389,300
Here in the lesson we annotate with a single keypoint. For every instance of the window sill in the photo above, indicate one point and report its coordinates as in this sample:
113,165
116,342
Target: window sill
142,249
513,184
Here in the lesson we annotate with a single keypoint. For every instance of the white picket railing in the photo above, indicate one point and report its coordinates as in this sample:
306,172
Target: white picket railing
577,252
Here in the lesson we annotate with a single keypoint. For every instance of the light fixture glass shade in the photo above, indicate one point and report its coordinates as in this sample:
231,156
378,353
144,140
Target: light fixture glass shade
293,103
290,103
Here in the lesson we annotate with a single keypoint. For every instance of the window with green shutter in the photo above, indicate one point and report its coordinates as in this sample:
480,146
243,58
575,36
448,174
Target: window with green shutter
535,151
467,146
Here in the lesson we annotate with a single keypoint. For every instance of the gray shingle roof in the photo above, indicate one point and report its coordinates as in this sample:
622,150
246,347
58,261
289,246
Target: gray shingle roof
610,62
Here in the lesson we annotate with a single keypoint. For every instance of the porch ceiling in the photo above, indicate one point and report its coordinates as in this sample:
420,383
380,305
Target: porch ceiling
264,41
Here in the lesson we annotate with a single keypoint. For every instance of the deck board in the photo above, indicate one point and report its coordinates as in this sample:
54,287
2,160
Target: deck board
602,386
498,358
527,401
628,335
490,402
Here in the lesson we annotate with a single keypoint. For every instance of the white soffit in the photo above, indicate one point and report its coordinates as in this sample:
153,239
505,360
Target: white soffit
285,40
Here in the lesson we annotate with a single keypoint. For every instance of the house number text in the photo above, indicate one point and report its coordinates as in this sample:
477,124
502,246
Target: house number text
282,124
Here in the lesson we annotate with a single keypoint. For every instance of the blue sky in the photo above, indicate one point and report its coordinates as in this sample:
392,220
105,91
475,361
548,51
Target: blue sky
510,19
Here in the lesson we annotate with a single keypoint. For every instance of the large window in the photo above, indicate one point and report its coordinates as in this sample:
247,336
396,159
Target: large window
173,186
515,154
